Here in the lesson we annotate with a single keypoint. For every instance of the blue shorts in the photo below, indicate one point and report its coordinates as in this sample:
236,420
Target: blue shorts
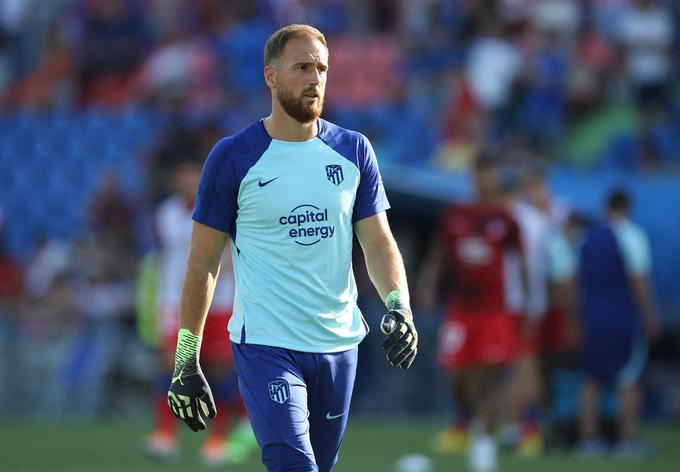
614,356
297,402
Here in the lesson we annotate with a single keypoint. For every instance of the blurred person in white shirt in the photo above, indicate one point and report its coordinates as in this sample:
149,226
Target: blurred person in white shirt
547,330
173,226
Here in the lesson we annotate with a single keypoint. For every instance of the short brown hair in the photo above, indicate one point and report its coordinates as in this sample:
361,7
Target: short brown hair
618,201
277,41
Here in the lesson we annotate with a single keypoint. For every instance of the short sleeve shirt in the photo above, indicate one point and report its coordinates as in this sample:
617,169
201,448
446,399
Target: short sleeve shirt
477,241
290,208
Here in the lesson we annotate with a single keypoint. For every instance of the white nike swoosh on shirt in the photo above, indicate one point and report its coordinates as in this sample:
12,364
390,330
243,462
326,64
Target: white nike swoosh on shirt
332,417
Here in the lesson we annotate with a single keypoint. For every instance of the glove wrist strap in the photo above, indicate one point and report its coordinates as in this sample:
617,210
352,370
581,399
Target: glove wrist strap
186,355
397,298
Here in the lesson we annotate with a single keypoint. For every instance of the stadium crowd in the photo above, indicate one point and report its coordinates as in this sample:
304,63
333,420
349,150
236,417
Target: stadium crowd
434,79
144,84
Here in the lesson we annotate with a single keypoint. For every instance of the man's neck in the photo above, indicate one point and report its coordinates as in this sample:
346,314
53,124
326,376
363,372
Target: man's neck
488,201
280,125
616,217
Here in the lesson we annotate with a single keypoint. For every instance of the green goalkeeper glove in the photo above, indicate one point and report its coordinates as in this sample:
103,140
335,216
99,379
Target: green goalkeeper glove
189,397
401,341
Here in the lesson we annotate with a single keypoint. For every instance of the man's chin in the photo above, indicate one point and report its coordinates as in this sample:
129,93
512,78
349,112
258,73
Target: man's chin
301,110
310,116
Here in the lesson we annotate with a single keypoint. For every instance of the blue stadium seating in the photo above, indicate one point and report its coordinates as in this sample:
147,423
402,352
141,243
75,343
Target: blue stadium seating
52,162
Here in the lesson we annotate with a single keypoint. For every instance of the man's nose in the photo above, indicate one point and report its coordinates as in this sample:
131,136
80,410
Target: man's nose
315,77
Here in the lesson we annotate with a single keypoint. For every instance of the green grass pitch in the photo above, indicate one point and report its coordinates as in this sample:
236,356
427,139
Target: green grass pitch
368,447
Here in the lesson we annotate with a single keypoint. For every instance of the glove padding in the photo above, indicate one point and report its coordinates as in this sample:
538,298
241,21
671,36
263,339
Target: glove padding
401,341
191,400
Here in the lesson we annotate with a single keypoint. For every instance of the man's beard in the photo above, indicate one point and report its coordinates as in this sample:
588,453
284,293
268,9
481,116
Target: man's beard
296,107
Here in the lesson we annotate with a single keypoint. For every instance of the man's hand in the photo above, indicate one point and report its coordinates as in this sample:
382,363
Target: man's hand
189,397
401,342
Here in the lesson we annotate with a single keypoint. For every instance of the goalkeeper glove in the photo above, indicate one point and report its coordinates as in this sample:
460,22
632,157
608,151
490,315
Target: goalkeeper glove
401,341
189,397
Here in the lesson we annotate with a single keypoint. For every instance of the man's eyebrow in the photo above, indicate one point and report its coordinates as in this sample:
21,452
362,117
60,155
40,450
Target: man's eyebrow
314,63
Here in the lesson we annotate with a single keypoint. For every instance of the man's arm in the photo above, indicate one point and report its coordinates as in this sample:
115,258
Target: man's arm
383,260
203,267
645,302
430,274
386,270
636,251
189,396
561,266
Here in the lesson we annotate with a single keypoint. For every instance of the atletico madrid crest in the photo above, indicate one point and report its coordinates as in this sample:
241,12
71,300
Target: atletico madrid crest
334,174
279,391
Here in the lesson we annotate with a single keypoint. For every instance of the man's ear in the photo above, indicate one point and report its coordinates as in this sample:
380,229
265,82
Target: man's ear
270,76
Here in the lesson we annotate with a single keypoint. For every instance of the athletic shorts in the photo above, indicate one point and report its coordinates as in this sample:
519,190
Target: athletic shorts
615,356
215,345
297,402
550,334
486,339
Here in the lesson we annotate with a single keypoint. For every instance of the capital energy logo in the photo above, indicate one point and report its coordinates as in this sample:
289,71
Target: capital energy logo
308,224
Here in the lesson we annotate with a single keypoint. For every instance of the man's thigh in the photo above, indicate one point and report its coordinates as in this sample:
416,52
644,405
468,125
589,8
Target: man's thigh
330,394
275,396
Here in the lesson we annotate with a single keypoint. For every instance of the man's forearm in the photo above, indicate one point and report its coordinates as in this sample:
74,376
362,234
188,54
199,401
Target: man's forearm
197,295
386,269
643,296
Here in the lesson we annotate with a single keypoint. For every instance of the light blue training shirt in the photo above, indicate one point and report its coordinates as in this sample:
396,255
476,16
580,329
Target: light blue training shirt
289,208
634,246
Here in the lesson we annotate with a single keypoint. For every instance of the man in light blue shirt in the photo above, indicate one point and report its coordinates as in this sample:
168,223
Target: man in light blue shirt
291,190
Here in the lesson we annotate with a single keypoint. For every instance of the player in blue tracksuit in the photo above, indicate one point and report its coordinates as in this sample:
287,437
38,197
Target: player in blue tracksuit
617,320
290,191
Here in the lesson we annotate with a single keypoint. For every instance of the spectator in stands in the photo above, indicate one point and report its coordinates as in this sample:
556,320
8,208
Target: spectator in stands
591,68
112,220
618,320
493,65
181,67
114,36
51,82
646,33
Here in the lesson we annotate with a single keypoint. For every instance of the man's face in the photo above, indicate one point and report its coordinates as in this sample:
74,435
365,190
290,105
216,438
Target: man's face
538,193
187,177
487,181
299,78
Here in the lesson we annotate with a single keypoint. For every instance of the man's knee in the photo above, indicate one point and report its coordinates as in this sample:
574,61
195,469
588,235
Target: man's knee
283,458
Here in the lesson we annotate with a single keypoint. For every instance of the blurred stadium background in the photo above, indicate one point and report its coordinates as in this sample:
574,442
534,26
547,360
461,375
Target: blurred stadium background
98,98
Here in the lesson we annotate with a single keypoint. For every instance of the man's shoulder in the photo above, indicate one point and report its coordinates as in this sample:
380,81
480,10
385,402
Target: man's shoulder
335,135
240,151
250,140
630,233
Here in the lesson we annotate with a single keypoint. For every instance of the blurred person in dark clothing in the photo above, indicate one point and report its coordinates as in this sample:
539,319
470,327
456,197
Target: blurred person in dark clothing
478,335
618,319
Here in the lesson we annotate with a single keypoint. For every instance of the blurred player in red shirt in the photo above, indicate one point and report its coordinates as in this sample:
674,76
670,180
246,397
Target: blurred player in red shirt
478,335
